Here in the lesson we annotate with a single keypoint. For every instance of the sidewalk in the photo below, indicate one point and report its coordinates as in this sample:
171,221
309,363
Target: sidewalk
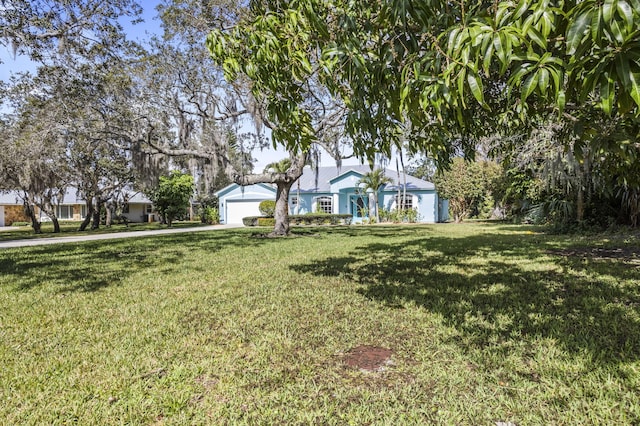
115,235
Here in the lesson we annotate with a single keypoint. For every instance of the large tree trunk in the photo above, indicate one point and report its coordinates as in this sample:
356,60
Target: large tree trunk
108,217
56,224
35,223
284,181
88,216
96,214
281,215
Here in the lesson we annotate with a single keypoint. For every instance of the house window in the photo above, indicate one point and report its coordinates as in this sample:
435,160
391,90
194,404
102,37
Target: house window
324,205
149,209
64,212
294,205
404,202
83,211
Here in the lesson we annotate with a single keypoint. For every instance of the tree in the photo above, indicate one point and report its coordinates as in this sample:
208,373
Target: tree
47,29
466,184
373,181
172,196
200,99
32,150
449,71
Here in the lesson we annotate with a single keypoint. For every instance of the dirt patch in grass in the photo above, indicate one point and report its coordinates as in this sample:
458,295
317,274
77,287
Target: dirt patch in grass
624,254
368,358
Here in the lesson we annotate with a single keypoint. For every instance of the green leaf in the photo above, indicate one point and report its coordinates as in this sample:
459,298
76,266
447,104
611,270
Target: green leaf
529,86
635,87
486,63
475,84
616,31
537,38
607,92
626,13
607,10
452,45
522,7
461,78
561,100
543,81
577,30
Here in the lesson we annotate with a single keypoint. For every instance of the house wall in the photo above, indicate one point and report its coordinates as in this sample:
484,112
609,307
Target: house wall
308,202
137,212
425,201
14,214
77,212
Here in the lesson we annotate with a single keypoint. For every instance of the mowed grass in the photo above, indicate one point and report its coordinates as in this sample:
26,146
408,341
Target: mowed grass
70,228
487,323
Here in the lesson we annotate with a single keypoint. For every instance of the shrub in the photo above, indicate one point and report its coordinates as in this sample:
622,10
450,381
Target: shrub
399,216
210,216
266,221
267,208
208,210
20,224
306,219
250,220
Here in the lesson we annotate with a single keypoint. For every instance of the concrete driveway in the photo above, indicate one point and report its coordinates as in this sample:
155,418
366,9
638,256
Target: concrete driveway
115,235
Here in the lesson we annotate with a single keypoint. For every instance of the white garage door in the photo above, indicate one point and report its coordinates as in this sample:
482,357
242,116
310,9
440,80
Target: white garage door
1,215
236,210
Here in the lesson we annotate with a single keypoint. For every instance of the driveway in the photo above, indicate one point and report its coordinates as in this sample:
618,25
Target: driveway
115,235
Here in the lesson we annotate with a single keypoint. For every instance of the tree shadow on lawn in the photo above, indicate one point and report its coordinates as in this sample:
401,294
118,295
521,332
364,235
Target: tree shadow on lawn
94,265
499,288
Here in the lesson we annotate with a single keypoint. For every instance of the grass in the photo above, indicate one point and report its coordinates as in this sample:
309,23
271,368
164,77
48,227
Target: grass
70,228
487,323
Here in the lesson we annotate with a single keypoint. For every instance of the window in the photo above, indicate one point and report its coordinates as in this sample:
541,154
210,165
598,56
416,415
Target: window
83,211
64,212
149,209
125,208
404,202
324,205
293,205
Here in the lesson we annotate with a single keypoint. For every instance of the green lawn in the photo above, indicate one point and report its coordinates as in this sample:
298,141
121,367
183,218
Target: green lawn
487,323
70,228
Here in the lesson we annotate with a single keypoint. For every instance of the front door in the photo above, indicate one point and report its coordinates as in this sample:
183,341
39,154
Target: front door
359,206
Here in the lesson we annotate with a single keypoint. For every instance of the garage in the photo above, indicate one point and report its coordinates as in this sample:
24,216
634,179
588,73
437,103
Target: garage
237,202
237,209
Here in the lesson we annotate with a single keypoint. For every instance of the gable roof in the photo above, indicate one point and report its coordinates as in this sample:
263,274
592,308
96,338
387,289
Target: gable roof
321,182
71,196
233,186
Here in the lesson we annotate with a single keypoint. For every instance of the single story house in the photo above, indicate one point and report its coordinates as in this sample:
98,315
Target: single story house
71,207
335,190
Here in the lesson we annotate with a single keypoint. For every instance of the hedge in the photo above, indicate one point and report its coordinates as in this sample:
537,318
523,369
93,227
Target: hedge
302,219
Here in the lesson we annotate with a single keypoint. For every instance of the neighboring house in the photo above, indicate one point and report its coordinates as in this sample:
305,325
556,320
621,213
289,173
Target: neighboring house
334,190
71,207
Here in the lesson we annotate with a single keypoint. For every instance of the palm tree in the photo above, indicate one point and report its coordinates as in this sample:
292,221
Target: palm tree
373,181
278,166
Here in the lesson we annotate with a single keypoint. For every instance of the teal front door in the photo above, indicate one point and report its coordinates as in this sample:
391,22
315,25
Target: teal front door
359,206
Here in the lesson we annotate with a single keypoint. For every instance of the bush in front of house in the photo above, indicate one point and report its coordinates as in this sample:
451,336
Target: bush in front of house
267,208
266,221
302,219
399,216
210,216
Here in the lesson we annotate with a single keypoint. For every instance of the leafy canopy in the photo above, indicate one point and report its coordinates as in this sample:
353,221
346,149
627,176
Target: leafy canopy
437,73
172,196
